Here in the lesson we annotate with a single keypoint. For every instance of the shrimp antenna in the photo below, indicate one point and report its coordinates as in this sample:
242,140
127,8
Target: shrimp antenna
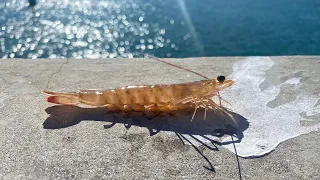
157,59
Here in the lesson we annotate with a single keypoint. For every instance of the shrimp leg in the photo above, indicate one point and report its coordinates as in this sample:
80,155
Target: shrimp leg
214,105
206,103
151,111
195,101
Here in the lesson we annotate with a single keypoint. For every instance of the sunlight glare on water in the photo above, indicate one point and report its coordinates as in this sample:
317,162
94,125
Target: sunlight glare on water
84,29
163,28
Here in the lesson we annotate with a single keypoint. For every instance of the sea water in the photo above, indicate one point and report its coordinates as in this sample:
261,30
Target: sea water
164,28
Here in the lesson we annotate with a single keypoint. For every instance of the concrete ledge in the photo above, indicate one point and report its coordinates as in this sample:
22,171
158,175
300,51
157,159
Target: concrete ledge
83,143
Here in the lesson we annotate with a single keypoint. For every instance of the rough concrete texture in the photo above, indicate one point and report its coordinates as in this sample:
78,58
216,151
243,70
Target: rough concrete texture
43,141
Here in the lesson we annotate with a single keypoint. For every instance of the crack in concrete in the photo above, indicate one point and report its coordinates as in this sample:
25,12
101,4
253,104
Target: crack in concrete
49,80
55,73
44,154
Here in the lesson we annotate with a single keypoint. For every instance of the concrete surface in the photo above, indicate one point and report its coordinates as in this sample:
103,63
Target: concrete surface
43,141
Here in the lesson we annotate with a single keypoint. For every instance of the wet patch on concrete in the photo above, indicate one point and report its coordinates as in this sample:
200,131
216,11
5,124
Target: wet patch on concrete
274,112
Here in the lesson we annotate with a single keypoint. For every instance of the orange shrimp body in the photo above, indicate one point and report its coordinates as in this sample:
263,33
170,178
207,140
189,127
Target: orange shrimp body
157,98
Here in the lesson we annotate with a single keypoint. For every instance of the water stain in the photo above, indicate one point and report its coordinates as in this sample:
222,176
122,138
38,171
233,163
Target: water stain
275,111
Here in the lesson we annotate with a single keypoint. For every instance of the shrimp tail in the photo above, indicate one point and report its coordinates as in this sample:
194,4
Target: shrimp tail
63,98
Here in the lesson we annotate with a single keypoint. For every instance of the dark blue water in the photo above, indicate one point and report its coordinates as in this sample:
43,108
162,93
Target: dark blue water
164,28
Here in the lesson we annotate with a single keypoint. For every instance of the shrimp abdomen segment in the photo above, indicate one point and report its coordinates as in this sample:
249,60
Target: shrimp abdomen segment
143,95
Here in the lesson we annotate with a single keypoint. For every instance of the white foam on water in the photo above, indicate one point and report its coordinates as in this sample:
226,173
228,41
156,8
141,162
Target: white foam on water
268,126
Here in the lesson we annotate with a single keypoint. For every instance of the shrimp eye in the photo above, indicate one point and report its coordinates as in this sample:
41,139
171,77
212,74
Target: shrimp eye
221,79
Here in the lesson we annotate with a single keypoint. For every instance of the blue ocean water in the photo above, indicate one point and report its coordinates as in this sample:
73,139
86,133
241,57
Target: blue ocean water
164,28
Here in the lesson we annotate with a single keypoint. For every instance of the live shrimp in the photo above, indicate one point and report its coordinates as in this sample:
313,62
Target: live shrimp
151,98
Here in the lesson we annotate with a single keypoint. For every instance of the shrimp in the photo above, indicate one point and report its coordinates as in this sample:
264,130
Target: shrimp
151,98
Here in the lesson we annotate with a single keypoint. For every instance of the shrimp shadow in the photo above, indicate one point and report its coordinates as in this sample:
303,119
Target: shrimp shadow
200,131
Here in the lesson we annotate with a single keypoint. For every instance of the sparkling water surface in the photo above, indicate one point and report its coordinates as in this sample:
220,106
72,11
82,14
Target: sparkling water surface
164,28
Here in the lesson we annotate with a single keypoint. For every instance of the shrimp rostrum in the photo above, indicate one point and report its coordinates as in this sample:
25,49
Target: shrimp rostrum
151,98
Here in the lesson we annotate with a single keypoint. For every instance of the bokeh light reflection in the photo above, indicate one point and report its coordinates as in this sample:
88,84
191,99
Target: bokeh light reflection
86,29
